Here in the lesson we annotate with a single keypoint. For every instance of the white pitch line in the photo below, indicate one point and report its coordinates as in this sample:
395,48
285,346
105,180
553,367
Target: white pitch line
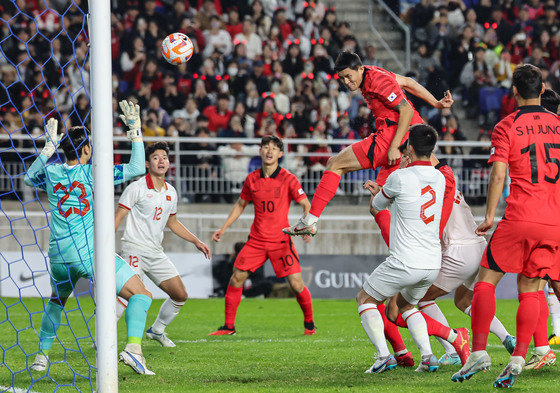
15,390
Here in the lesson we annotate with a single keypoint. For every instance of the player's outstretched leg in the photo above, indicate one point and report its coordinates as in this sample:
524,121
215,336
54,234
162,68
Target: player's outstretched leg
344,162
170,308
304,300
139,302
450,358
372,322
554,306
542,354
50,322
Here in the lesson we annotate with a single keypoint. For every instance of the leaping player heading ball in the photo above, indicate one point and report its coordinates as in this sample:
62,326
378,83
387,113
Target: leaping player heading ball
393,113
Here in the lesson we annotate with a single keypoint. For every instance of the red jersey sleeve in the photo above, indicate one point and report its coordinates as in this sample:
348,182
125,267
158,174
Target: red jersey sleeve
384,85
448,197
296,191
500,141
246,190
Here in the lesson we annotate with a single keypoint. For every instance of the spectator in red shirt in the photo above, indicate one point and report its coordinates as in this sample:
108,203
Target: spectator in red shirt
234,26
281,21
269,111
218,115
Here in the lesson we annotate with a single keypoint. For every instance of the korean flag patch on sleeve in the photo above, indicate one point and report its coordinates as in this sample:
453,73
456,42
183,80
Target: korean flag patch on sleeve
392,97
300,191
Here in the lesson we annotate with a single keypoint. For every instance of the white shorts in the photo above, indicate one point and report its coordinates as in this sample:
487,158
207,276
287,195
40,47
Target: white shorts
157,267
393,276
459,266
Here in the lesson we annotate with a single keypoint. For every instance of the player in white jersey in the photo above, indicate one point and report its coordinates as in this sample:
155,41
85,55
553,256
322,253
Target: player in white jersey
415,195
461,253
152,203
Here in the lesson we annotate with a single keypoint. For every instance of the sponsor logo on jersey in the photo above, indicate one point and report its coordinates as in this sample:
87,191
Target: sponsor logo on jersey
149,195
392,97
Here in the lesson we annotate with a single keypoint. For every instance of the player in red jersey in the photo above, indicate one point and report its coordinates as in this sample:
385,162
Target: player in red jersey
271,189
527,239
394,114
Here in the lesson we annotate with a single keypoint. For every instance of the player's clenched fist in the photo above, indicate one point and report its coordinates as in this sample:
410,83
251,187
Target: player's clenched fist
217,236
372,187
484,227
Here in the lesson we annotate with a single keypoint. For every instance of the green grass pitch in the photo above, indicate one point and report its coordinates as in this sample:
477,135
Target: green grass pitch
268,354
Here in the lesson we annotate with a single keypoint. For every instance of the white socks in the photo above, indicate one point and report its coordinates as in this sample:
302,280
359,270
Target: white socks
496,326
372,322
431,309
554,307
121,307
167,313
418,330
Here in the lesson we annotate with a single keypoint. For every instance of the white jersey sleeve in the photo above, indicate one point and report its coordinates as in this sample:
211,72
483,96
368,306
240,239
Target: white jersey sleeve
385,197
129,196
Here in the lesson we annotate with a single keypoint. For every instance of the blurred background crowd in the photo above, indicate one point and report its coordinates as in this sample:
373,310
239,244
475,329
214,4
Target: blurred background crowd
264,67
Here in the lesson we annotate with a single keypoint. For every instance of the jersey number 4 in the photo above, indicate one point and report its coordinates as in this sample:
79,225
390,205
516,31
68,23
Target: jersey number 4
432,201
532,150
82,198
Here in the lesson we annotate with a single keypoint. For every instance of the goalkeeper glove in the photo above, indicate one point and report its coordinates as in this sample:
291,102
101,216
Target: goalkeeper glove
131,117
52,138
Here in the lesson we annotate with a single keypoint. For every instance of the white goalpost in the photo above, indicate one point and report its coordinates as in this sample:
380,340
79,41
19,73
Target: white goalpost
103,200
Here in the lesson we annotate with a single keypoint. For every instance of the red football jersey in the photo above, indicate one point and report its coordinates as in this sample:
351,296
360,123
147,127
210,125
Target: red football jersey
382,94
449,195
271,197
528,141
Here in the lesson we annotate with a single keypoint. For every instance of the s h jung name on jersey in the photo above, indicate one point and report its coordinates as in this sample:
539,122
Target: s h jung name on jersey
540,129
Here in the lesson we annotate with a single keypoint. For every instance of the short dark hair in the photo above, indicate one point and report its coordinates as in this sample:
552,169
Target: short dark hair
74,141
422,138
527,79
223,96
347,59
550,100
272,139
156,146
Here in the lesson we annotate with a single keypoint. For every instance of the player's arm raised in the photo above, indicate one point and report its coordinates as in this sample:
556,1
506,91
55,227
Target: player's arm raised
406,112
495,189
410,85
238,208
180,230
136,165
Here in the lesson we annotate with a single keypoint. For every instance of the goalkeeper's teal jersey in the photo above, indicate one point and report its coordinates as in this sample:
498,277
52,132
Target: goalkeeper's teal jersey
70,191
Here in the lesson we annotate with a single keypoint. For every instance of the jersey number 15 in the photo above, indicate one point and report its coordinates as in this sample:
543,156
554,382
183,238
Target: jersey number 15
532,150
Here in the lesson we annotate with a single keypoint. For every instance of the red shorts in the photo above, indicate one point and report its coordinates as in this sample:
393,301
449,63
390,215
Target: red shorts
282,255
522,247
372,151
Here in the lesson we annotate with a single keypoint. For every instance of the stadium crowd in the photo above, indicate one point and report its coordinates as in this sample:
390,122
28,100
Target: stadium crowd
264,67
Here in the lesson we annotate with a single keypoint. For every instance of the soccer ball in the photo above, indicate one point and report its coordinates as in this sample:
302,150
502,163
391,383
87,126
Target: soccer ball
177,48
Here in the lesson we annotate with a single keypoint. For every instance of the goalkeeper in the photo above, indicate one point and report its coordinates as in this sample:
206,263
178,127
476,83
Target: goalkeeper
69,188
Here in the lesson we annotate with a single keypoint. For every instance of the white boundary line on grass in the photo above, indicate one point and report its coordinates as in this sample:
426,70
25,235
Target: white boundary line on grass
15,390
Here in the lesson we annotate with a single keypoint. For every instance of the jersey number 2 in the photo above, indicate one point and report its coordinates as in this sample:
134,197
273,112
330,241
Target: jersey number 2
82,198
426,205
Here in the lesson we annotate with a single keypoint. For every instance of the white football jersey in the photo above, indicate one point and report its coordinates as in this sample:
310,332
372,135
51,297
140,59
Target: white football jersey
461,225
415,194
149,211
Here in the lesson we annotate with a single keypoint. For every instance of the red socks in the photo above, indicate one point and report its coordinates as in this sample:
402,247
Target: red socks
233,298
383,220
391,330
483,309
434,327
304,300
324,193
541,332
527,320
